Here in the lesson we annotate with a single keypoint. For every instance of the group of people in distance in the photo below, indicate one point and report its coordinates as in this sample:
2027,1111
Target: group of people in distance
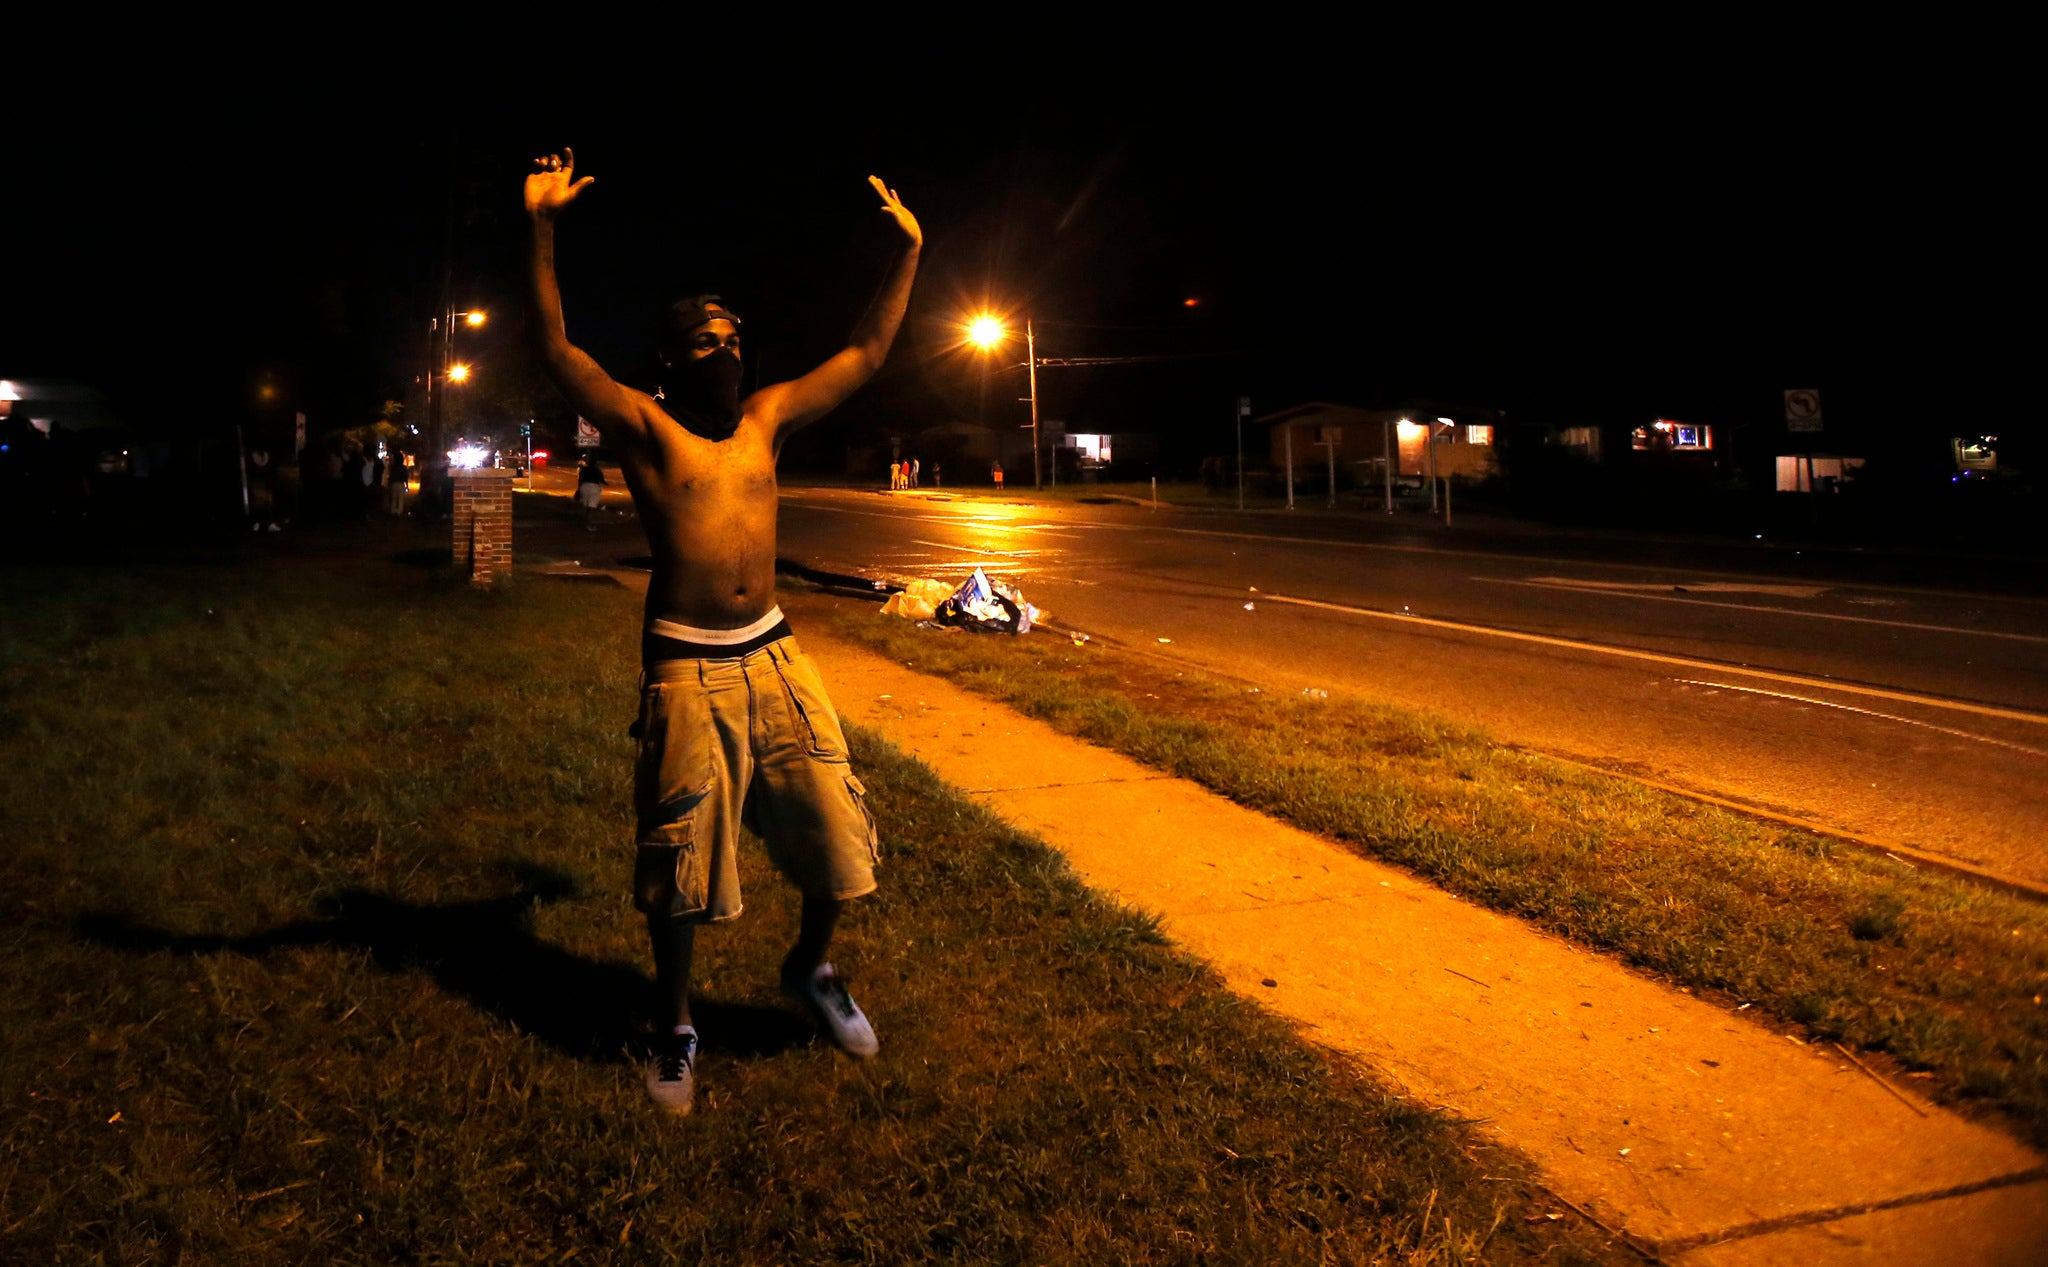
904,474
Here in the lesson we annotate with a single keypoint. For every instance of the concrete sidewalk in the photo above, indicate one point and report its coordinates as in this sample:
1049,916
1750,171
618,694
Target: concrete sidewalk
1699,1131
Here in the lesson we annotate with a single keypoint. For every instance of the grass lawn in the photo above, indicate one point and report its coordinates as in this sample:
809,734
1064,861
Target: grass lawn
1943,975
318,948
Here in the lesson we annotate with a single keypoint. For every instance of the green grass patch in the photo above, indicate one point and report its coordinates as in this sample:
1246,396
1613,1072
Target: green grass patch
319,948
1944,975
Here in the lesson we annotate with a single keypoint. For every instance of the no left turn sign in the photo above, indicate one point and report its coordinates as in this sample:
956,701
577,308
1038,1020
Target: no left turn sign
1802,410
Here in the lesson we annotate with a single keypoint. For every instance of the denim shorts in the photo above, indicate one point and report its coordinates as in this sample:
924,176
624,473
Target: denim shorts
747,741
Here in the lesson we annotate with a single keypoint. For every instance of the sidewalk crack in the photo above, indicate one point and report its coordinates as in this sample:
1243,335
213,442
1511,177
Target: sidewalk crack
1807,1218
1036,787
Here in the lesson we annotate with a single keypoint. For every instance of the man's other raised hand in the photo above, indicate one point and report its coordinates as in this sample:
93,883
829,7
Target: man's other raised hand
552,185
893,206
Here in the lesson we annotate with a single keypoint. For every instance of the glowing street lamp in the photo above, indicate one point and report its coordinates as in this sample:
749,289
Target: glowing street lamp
441,331
987,333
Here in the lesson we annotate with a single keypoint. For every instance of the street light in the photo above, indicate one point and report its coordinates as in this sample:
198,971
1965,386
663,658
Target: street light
987,332
441,331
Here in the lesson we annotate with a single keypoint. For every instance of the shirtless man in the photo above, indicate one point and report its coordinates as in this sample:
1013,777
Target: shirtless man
734,722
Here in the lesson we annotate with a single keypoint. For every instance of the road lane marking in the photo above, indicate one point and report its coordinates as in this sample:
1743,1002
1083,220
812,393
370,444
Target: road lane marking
1865,712
1710,587
1684,662
1614,589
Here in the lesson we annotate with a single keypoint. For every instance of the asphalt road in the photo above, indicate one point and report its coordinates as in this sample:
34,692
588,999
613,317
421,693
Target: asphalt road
1797,684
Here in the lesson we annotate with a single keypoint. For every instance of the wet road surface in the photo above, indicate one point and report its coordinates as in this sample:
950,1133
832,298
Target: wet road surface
1911,714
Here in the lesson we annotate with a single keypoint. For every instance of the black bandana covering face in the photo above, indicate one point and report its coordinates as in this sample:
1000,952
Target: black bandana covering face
703,393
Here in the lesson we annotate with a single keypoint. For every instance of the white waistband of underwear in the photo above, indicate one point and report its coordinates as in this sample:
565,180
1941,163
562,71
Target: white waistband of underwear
716,637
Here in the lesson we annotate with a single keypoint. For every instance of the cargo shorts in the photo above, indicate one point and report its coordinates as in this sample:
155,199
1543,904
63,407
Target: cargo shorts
748,741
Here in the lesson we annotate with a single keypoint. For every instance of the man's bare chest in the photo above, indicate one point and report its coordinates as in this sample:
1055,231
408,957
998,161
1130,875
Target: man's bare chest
733,474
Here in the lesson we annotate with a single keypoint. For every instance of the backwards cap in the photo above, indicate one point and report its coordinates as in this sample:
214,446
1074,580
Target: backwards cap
687,314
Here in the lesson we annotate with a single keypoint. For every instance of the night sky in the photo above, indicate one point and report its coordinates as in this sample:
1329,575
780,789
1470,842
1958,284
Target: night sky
1573,225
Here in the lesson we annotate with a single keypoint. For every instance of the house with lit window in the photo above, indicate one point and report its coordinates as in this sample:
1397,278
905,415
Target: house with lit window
1361,443
1669,435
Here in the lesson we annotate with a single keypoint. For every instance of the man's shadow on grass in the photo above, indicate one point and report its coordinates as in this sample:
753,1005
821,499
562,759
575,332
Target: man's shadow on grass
485,951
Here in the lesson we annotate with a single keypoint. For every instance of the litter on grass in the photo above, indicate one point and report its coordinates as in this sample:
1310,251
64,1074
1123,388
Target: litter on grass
976,604
1313,693
918,600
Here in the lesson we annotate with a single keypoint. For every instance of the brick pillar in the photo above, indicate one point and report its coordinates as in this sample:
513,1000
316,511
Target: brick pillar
483,523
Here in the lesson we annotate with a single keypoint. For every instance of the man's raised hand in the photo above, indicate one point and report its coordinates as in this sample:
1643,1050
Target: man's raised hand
893,206
552,185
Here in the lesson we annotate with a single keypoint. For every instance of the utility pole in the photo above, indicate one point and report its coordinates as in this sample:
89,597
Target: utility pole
1244,408
1031,359
1429,429
437,358
1387,460
1287,440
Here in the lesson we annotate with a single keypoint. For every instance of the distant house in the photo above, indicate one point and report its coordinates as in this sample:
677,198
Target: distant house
1669,435
1311,435
1657,440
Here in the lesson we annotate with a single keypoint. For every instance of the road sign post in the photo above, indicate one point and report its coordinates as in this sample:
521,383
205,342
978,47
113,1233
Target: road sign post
1244,409
1802,414
1387,461
1287,441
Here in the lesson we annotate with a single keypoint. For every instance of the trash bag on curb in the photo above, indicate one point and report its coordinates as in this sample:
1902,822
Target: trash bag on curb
978,603
908,606
982,607
918,600
1026,613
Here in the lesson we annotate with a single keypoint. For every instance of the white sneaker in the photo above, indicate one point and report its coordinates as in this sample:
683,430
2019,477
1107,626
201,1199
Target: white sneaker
671,1073
824,996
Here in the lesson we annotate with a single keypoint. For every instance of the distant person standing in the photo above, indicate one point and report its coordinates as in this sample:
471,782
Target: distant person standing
262,492
590,491
995,469
938,476
395,481
913,472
